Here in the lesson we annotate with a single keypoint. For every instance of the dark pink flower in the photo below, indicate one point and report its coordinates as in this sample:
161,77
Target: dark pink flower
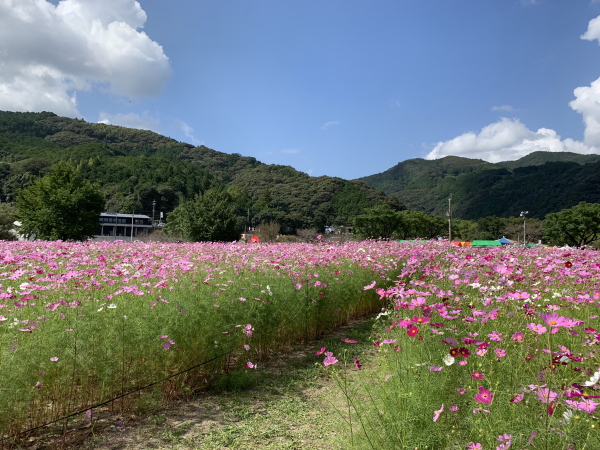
484,396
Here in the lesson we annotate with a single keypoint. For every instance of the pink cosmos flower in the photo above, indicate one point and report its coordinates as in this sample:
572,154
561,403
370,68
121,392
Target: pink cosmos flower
545,395
38,385
587,405
54,359
370,286
404,323
250,365
389,341
481,351
320,352
517,398
435,368
517,337
553,319
436,414
539,329
461,391
166,346
454,408
477,375
464,362
484,396
349,341
329,359
495,336
500,352
474,446
246,347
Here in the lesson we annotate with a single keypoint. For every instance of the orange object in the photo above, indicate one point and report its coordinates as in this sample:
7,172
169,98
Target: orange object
254,239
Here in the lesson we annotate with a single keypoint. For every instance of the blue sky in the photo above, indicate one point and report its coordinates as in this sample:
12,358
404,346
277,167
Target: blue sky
331,87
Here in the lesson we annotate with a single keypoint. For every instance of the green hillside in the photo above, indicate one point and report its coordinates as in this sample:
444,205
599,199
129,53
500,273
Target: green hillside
135,167
541,182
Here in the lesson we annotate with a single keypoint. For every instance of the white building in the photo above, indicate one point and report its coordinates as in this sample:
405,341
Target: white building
115,226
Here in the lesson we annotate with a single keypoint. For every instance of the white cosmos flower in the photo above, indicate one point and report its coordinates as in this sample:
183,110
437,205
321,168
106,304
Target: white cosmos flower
449,360
112,306
594,380
567,415
100,309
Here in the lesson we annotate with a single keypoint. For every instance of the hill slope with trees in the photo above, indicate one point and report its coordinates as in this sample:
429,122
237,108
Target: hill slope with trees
136,167
541,183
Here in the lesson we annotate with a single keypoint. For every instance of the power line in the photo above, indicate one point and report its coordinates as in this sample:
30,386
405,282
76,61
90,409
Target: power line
115,398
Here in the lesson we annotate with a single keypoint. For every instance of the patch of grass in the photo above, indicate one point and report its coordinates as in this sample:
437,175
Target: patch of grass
290,402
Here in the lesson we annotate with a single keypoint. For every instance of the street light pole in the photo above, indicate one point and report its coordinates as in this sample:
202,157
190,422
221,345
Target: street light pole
153,207
523,214
449,214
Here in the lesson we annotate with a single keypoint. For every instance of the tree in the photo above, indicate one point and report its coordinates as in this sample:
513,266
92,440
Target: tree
576,226
60,205
7,218
209,217
378,222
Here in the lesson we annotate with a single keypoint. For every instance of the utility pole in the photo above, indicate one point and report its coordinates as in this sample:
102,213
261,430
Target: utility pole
449,214
132,214
153,207
523,214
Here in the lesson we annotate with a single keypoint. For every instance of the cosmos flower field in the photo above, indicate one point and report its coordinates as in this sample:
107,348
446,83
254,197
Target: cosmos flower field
481,349
475,348
83,323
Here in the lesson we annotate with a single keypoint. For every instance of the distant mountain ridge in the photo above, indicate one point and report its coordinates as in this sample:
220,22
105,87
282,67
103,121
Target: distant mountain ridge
541,182
135,167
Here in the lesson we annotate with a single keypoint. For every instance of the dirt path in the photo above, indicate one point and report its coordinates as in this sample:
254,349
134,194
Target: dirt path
289,404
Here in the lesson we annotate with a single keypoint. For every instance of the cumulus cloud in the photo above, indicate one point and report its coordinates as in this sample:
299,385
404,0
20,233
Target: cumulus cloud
188,131
509,139
330,124
290,151
131,120
48,52
506,140
504,108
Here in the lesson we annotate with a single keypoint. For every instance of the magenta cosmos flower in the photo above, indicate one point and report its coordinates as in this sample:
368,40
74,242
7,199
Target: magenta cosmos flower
518,337
484,396
477,375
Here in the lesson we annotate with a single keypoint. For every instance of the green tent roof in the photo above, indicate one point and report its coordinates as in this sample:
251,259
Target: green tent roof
485,243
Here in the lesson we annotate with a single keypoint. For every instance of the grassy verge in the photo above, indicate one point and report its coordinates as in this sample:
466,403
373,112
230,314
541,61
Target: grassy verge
291,402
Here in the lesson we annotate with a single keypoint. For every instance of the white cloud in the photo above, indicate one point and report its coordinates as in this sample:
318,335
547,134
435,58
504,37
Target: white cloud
504,108
131,120
330,124
509,139
48,52
506,140
291,151
188,131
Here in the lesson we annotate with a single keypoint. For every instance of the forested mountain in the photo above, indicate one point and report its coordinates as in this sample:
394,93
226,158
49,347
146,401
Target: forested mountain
541,183
135,167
